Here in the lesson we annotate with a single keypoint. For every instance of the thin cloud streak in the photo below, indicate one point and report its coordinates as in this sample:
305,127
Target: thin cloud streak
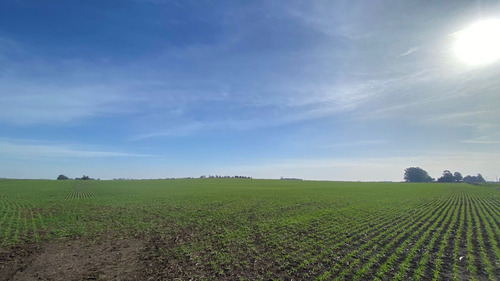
42,105
481,142
408,52
29,150
356,143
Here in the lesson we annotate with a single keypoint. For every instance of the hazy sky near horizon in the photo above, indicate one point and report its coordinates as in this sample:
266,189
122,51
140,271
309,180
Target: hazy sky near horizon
335,90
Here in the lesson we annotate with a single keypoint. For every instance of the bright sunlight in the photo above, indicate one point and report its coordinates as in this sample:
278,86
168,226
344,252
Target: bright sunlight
480,43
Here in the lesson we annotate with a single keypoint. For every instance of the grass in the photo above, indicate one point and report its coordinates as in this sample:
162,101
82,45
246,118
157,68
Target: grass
271,229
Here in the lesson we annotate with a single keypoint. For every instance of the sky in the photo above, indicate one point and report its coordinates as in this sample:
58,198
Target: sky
319,90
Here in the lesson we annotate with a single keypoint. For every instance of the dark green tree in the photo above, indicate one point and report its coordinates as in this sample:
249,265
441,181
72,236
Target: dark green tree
480,178
474,179
416,174
446,177
62,177
457,176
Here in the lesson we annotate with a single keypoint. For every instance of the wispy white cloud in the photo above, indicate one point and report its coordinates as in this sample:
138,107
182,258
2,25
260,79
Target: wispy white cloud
475,141
458,115
330,18
42,104
281,101
408,52
202,127
23,149
356,143
291,102
54,92
176,131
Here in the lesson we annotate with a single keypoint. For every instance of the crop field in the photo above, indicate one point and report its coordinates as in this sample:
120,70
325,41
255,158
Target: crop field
242,229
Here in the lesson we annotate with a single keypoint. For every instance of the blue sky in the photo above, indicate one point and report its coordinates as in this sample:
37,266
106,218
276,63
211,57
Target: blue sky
336,90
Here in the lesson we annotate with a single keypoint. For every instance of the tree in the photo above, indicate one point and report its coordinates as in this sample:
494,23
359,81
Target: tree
457,176
474,179
480,178
85,178
62,177
447,177
416,174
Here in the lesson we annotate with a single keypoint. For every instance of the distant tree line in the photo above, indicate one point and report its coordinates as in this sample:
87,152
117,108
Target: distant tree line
449,177
224,177
290,179
417,174
474,179
84,178
190,178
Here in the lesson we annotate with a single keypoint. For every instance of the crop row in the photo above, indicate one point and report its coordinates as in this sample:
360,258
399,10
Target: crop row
465,225
451,237
326,246
358,247
363,239
395,240
77,193
80,190
19,221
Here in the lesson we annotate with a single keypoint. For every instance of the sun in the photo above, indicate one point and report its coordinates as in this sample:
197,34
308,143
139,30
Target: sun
480,43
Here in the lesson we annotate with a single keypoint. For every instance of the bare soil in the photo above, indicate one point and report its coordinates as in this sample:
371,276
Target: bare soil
105,259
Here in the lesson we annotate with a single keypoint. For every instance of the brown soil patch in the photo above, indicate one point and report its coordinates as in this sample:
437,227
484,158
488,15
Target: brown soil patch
110,259
14,259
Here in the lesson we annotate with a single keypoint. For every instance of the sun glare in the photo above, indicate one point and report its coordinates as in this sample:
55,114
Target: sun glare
480,43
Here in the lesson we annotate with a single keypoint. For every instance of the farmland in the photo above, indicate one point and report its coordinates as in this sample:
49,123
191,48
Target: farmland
242,229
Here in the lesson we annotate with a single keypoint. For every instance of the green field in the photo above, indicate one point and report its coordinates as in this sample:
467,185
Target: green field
241,229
